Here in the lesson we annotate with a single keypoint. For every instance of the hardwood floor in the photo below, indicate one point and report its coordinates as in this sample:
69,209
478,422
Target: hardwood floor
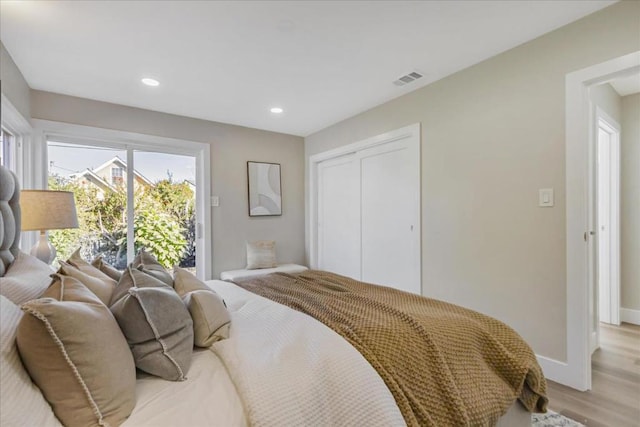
614,400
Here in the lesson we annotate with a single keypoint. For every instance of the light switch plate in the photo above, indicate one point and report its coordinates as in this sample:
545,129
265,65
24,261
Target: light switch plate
215,201
545,197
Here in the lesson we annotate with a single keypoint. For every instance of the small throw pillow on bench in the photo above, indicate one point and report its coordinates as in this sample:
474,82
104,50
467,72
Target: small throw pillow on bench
261,254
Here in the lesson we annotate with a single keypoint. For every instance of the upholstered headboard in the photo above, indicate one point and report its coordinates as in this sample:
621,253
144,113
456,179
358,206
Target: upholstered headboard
9,218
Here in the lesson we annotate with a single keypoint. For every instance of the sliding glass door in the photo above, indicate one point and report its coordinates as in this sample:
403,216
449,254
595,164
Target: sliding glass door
165,207
127,199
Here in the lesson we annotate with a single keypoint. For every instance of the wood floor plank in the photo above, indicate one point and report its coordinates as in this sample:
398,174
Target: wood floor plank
614,400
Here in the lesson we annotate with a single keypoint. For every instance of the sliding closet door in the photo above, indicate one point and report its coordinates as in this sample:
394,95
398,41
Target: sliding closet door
368,211
338,216
390,215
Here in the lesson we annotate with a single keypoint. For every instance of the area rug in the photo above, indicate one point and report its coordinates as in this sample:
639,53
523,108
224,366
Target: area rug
553,419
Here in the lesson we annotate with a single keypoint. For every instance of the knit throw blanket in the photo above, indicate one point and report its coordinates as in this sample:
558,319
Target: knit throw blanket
445,365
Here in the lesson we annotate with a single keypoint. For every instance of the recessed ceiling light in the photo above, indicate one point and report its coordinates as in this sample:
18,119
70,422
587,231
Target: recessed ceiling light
277,110
150,82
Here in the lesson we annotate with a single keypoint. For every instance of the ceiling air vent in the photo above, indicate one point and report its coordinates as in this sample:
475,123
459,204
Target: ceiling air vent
408,78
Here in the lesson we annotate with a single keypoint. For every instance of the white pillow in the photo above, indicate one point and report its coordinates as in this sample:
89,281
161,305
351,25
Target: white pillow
26,279
22,403
261,254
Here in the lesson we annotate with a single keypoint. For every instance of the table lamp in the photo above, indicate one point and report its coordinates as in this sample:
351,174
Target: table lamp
47,210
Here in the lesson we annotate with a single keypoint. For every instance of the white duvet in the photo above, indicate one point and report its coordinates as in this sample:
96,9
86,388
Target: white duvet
279,367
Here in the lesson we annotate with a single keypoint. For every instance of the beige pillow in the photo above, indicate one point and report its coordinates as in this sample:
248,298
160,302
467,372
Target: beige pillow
26,279
75,352
261,254
157,325
106,268
21,402
103,287
77,261
147,263
208,311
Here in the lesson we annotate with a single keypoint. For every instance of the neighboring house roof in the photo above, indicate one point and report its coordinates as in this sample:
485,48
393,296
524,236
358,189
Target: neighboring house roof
90,176
93,174
121,163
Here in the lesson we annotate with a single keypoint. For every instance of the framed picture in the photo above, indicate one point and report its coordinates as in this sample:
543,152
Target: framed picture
265,191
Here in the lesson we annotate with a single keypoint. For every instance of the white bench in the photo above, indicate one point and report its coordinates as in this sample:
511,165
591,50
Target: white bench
232,275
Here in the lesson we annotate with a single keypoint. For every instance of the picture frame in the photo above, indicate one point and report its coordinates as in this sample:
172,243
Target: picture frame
264,189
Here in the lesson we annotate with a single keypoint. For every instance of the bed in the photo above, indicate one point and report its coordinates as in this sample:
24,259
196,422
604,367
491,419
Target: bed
279,365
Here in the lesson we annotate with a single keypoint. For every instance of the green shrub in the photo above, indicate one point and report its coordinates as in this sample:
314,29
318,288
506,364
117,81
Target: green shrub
163,214
160,234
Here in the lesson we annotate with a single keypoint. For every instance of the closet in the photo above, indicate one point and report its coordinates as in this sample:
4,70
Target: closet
367,210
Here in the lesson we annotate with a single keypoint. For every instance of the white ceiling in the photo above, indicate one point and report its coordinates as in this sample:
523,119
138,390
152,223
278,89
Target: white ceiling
231,61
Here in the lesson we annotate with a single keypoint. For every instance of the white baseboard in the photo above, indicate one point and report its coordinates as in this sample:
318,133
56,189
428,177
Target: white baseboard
630,316
554,370
561,373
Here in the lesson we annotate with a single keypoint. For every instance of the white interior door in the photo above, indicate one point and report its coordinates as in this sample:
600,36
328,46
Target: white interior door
338,216
390,215
365,202
608,220
604,203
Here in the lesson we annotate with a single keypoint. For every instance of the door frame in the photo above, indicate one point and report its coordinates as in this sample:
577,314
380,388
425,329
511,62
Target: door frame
410,131
576,371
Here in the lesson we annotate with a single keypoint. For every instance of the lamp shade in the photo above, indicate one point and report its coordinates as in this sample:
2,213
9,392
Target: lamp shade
47,210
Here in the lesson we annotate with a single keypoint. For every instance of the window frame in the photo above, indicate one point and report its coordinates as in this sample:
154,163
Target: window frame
20,129
7,149
22,154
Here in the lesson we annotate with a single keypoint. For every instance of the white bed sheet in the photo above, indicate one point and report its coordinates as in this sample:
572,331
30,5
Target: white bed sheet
207,398
292,370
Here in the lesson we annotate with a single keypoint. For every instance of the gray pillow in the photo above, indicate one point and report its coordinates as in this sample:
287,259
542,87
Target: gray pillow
208,311
156,324
134,278
148,264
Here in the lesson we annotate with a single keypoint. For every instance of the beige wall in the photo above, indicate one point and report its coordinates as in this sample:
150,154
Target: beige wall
492,135
630,201
14,86
231,147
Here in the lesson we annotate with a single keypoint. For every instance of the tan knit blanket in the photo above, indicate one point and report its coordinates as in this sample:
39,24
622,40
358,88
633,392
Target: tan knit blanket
445,365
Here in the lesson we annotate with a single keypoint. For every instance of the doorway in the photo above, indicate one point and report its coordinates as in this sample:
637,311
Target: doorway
581,239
